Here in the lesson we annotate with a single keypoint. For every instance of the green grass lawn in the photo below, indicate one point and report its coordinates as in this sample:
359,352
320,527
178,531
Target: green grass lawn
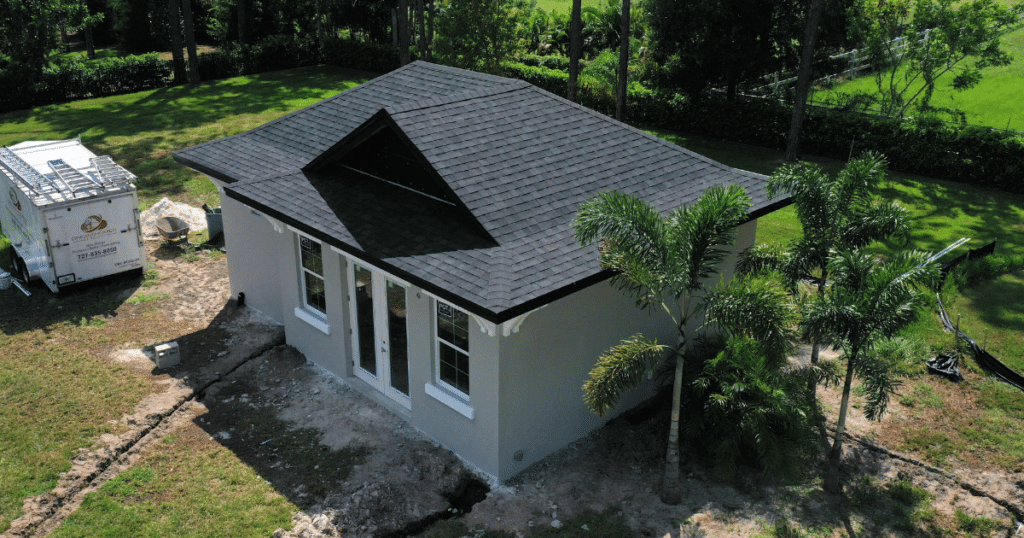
995,102
565,6
164,495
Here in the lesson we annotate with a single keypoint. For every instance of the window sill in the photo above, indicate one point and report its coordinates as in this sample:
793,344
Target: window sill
449,400
317,322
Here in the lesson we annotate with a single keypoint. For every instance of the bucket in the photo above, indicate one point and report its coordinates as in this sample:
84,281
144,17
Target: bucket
214,221
5,280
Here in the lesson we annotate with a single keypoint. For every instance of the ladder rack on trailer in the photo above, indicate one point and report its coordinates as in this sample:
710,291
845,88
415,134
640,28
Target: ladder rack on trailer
24,172
110,172
73,179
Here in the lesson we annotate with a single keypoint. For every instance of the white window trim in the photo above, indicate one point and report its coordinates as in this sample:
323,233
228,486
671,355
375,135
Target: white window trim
313,316
437,354
449,400
315,321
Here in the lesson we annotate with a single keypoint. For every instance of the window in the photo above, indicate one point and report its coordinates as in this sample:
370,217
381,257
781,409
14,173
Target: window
453,347
312,260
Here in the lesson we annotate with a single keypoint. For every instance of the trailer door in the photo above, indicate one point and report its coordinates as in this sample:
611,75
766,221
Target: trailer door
94,238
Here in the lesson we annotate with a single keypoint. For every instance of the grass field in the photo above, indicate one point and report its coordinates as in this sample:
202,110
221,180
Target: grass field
161,496
565,6
995,102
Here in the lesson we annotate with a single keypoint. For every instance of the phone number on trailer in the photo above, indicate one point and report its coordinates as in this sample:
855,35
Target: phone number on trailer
97,253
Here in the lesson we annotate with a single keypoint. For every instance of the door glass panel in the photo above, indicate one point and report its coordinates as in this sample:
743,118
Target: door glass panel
364,319
398,345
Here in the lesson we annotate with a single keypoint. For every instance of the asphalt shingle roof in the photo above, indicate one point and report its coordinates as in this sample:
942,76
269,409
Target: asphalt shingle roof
519,159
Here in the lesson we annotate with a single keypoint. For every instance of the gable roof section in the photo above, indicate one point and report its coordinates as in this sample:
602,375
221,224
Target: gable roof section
519,159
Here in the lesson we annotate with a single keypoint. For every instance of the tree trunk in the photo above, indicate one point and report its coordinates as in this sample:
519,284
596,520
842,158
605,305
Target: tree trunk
243,22
832,484
65,45
174,25
671,493
319,25
394,26
90,46
430,30
575,47
623,83
803,87
812,383
403,31
422,29
190,42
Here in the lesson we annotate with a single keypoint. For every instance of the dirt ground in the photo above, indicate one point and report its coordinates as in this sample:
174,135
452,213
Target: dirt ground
235,365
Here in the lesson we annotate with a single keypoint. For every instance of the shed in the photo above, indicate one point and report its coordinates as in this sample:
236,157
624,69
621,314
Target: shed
413,235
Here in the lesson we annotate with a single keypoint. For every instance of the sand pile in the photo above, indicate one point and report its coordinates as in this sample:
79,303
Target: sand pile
194,216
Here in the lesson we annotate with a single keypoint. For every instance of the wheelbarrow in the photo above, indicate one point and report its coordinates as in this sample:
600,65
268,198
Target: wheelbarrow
172,229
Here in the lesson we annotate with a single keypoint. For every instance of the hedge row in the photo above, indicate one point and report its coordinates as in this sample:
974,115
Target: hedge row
964,153
277,54
73,80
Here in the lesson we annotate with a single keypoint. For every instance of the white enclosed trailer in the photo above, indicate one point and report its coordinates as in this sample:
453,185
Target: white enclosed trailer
71,216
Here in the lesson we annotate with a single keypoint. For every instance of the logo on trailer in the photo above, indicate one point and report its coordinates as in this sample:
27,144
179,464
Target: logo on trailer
94,223
14,199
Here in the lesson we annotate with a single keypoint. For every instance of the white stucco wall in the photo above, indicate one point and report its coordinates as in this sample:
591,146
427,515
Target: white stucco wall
253,251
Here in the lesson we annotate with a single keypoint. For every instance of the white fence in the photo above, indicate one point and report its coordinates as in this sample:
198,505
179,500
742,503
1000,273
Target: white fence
856,61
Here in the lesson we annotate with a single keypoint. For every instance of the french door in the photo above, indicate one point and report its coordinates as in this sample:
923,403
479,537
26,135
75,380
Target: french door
380,339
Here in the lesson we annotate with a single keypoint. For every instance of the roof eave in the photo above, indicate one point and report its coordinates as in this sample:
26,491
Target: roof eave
202,169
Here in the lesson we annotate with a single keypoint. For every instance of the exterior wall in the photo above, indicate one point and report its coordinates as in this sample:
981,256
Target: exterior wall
545,364
264,264
254,252
476,439
330,350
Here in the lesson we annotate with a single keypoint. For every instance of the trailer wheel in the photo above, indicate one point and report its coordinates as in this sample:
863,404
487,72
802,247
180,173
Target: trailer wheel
19,265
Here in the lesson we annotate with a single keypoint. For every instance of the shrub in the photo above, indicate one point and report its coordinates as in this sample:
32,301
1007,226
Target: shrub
279,52
72,79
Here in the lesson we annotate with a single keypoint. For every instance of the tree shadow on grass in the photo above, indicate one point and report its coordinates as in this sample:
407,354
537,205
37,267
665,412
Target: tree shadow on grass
179,109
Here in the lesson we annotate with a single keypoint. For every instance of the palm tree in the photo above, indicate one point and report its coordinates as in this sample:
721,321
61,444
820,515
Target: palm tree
747,398
867,301
835,213
664,263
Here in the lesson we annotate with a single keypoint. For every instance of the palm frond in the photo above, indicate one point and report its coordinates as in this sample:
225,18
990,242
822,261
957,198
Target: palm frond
878,384
620,369
758,308
697,233
626,224
877,221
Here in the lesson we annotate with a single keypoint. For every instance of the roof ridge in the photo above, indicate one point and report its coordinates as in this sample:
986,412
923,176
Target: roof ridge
462,72
322,102
408,106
